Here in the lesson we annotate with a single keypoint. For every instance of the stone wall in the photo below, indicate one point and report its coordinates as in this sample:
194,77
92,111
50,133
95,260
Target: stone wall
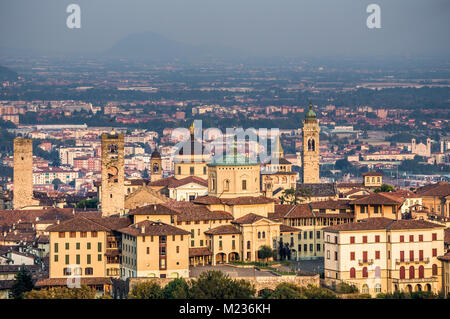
260,282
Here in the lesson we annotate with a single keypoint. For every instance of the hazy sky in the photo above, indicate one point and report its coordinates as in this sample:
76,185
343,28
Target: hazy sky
257,27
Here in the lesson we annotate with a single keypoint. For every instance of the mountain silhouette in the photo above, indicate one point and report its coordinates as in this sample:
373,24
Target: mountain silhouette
6,74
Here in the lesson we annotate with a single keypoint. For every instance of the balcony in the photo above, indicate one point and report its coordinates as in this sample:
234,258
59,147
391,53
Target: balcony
412,261
414,280
362,262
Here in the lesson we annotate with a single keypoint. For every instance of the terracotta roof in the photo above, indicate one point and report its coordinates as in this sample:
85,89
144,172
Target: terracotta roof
207,200
247,200
347,185
294,211
440,189
372,174
153,209
289,229
447,236
150,228
244,200
190,179
188,211
48,282
376,199
379,223
445,257
247,219
223,230
82,223
278,160
163,181
331,204
202,251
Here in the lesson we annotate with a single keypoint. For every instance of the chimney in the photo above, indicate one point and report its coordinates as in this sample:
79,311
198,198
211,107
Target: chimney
143,229
57,222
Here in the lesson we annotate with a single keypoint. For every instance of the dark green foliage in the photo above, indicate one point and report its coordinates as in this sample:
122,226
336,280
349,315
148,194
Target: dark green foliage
265,252
22,283
385,188
176,289
215,285
146,290
87,203
345,288
291,291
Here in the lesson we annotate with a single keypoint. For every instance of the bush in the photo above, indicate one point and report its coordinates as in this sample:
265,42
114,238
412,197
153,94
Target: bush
83,292
215,285
146,290
345,288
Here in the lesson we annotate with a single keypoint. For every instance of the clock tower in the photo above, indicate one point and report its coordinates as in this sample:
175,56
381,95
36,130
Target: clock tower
112,195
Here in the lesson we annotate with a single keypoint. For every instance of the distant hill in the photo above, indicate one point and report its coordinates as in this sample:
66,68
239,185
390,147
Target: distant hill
7,74
153,46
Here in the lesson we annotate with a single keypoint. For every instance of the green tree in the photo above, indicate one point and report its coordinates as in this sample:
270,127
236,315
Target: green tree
314,292
293,196
287,290
215,285
176,289
146,290
87,203
385,188
22,283
84,292
56,182
265,252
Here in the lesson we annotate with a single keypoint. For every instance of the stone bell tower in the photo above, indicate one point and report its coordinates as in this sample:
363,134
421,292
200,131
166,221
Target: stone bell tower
23,173
310,156
112,197
156,166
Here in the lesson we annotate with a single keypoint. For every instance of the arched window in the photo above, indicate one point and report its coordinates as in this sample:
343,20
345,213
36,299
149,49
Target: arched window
259,235
402,272
412,272
365,273
377,287
421,272
113,149
352,272
365,289
434,270
311,145
263,234
226,185
155,168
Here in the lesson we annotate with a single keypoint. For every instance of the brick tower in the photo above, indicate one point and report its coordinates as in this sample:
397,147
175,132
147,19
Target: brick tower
23,173
112,197
310,156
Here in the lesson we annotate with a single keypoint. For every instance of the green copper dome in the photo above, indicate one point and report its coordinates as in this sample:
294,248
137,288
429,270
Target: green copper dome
311,115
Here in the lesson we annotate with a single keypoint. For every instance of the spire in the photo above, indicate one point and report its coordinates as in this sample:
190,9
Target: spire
280,148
